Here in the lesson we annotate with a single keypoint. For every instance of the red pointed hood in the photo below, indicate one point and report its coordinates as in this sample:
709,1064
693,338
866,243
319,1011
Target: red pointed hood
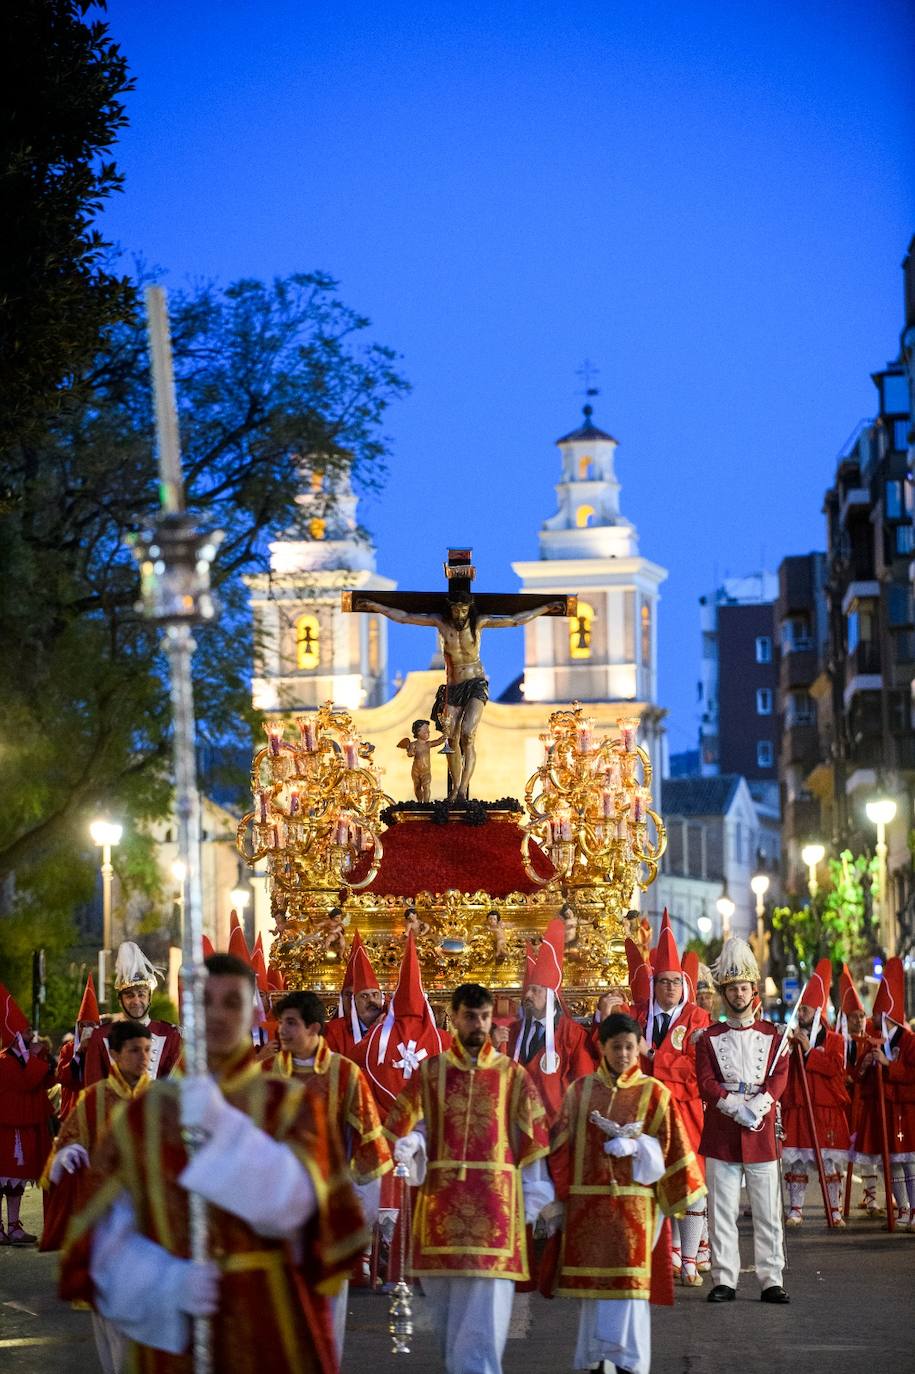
849,999
639,975
238,945
690,963
391,1052
546,970
207,946
890,999
12,1020
362,977
259,964
666,955
816,993
409,998
88,1013
275,980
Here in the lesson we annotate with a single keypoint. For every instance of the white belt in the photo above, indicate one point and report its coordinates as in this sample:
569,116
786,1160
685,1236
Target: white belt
732,1086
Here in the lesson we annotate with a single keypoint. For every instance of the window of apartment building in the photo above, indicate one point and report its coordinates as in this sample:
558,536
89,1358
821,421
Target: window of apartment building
892,500
905,539
862,625
764,753
764,701
796,634
901,435
899,604
800,710
763,649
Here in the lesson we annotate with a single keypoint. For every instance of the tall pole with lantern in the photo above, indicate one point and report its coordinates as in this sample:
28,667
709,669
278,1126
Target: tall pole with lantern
174,558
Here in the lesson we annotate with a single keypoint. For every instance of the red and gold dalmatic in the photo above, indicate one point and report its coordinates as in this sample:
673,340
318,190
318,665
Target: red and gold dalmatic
349,1102
610,1220
86,1125
268,1303
484,1122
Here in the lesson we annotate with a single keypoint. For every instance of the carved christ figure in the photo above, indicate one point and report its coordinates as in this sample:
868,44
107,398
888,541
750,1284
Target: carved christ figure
459,702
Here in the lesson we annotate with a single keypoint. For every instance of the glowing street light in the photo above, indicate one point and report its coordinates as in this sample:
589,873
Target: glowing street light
880,812
812,854
704,925
726,909
106,834
759,886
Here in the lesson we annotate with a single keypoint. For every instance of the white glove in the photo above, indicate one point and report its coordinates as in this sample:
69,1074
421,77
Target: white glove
613,1128
730,1105
620,1147
202,1104
551,1219
744,1116
407,1147
68,1160
757,1108
199,1295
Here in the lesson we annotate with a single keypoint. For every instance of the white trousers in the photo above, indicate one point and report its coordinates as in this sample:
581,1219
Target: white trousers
471,1319
616,1329
337,1306
764,1191
110,1345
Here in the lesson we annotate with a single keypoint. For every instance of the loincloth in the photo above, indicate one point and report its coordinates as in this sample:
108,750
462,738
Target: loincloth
457,695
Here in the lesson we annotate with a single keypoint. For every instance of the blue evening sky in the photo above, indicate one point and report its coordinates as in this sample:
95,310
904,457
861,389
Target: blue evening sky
709,200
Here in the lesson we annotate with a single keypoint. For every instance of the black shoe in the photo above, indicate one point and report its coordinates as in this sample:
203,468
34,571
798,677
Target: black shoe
774,1294
721,1293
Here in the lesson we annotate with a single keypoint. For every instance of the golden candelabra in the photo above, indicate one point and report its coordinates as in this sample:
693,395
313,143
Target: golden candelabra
317,806
590,807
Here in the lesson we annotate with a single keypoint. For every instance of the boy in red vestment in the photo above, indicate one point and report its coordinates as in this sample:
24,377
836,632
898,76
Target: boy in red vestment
473,1132
620,1160
269,1246
824,1065
671,1026
553,1048
25,1115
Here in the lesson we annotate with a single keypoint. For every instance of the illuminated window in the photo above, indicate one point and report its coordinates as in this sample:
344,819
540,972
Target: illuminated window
646,634
580,631
307,642
316,528
584,469
374,646
583,516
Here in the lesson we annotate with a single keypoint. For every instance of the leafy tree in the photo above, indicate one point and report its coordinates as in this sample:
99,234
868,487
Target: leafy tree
840,921
63,79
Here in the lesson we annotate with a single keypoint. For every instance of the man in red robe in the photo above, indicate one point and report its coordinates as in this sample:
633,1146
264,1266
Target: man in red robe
69,1073
893,1056
852,1025
25,1115
135,980
671,1025
822,1054
741,1075
553,1047
472,1130
269,1247
361,1003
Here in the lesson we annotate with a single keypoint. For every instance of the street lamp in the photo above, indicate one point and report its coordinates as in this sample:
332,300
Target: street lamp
726,909
759,886
105,834
179,873
880,812
704,926
812,854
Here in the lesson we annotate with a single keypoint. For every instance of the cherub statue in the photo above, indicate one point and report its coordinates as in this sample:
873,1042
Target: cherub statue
411,921
419,749
499,937
569,920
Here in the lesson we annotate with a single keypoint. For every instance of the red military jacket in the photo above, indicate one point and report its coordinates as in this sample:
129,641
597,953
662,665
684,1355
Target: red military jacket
674,1063
728,1053
166,1051
576,1060
824,1064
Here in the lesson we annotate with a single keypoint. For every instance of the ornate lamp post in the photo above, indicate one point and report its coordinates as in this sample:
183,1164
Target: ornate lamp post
106,834
880,812
812,854
726,909
759,885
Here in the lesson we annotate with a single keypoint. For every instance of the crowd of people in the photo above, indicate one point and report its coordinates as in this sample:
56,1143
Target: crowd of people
602,1162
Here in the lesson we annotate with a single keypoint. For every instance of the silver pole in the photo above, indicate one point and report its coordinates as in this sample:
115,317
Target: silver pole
174,558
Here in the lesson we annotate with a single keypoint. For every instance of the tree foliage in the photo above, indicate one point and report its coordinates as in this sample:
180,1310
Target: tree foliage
63,79
275,382
840,921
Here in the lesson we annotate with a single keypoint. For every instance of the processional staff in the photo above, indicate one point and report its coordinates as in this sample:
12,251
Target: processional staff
174,558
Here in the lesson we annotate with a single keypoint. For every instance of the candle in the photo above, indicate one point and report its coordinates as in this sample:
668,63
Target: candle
307,731
342,832
274,736
293,802
262,807
351,754
607,801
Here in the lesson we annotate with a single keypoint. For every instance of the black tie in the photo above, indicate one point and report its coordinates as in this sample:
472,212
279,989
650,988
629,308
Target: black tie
537,1042
661,1022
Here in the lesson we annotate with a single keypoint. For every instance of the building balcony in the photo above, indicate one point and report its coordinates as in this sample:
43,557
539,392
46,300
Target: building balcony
859,590
903,752
802,818
856,502
800,744
798,668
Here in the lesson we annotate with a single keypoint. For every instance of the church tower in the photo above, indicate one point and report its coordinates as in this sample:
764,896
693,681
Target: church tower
608,653
306,650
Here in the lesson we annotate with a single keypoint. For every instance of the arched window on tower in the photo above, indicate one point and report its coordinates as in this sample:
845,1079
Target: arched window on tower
580,631
646,634
584,469
374,646
307,642
583,516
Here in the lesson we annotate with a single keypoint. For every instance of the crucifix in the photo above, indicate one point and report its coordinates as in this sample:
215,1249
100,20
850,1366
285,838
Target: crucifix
460,616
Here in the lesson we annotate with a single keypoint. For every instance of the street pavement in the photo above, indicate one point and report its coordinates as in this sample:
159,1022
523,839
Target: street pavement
852,1304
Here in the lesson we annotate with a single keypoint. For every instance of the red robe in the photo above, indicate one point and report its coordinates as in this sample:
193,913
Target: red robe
900,1079
674,1063
722,1137
166,1051
25,1117
576,1060
825,1068
69,1075
268,1301
607,1240
484,1122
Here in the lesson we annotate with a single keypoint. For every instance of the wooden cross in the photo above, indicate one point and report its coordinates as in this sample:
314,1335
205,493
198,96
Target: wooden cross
459,574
